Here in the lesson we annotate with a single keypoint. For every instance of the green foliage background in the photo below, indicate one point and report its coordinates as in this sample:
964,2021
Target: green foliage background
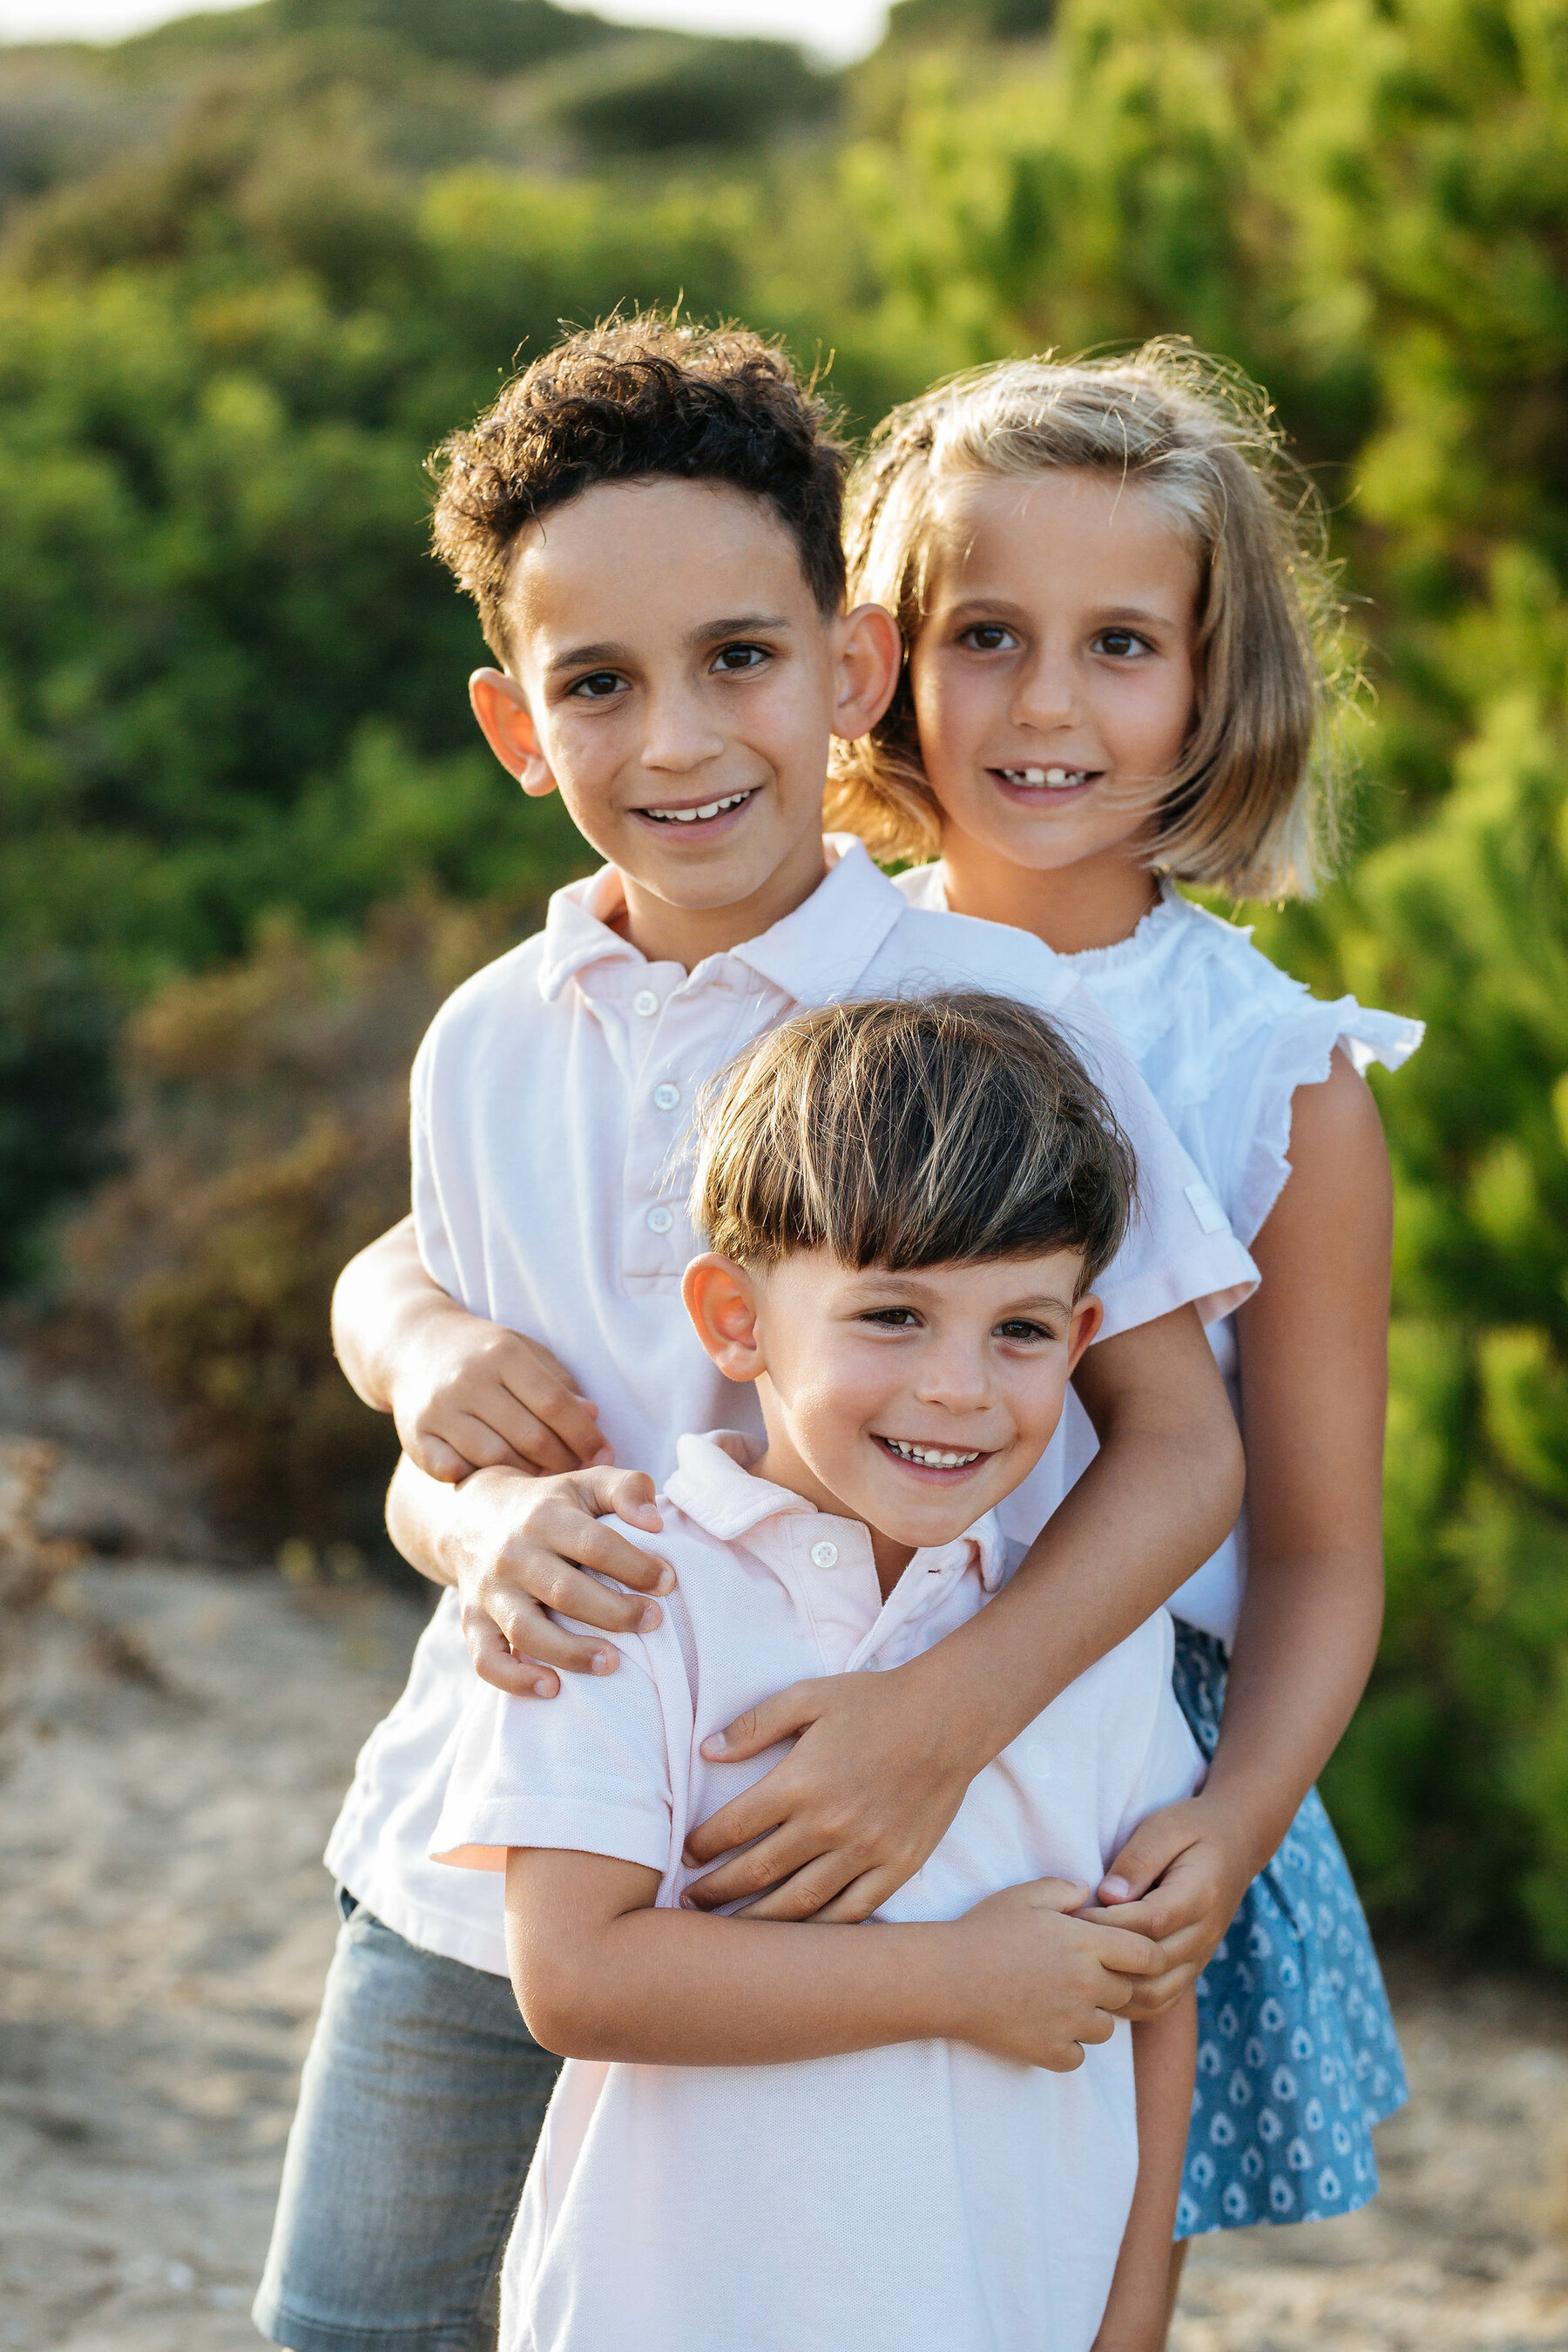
254,265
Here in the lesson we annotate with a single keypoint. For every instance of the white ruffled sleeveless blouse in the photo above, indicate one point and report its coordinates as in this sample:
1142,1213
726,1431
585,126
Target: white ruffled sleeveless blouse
1222,1039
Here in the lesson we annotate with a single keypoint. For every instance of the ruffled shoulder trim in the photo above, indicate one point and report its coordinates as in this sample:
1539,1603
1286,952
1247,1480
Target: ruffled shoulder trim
1300,1053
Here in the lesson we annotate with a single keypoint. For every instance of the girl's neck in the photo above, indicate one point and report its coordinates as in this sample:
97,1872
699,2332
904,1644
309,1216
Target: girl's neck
1093,903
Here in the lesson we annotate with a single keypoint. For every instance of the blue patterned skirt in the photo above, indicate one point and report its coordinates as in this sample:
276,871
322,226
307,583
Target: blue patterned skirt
1297,2054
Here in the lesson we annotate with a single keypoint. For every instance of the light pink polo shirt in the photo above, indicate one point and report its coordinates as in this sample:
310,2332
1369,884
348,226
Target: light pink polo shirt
551,1103
924,2194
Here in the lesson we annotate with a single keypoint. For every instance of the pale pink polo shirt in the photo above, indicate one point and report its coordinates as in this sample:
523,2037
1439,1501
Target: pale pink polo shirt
924,2194
551,1103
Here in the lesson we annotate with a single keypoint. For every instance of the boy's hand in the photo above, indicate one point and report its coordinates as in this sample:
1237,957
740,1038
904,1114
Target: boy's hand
517,1546
859,1803
1039,1985
472,1395
1178,1879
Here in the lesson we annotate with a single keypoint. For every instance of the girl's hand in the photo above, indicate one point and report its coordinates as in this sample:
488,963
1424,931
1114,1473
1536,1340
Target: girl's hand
1040,1984
471,1395
1178,1879
517,1548
865,1795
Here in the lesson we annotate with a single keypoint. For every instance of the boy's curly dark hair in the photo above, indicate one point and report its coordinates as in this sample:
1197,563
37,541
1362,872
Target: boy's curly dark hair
632,400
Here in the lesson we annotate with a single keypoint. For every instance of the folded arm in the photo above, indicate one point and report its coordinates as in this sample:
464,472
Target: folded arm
600,1973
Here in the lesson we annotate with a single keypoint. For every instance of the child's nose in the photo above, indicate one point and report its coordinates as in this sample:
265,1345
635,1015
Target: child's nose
680,734
1048,693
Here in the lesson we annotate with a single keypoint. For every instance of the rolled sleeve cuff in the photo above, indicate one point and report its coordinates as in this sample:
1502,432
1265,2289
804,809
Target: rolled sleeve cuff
479,1836
1214,1276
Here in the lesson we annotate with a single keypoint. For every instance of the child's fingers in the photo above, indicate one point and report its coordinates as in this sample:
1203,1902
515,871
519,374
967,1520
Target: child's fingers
762,1867
495,1663
1148,1852
762,1726
435,1457
826,1889
504,1435
548,1396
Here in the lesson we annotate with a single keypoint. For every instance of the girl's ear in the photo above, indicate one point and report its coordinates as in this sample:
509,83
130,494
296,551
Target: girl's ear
506,721
1084,1329
722,1306
870,655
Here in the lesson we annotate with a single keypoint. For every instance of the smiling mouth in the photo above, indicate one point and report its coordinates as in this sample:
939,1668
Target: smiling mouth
934,1457
702,812
1047,780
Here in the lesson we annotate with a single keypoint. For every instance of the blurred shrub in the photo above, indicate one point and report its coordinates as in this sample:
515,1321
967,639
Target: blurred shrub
56,1095
649,98
266,1140
1452,1783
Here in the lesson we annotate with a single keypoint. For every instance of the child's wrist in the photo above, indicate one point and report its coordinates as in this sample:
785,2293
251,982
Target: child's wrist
1243,1813
950,1685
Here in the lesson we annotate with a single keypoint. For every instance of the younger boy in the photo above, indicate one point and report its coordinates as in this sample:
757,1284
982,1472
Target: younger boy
648,518
814,2135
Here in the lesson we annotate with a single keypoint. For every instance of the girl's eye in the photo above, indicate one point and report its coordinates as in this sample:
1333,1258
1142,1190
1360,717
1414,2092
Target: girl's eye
1121,643
599,686
1017,1329
989,637
732,658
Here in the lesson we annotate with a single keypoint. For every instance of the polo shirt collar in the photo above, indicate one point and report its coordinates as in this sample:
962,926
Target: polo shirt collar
813,956
714,1484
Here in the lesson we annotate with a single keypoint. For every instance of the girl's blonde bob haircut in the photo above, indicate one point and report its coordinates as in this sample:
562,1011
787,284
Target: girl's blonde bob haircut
1250,807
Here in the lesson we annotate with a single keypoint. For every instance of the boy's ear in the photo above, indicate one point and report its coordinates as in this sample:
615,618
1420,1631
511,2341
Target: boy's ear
870,654
507,723
722,1307
1084,1329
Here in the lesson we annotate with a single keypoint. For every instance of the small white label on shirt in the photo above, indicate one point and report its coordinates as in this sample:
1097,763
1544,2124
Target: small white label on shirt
1207,1209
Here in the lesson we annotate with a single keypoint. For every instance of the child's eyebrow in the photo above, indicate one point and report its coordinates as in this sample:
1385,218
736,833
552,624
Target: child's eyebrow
584,657
741,625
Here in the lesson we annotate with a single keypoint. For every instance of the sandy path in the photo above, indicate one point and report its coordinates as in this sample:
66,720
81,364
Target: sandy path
164,1925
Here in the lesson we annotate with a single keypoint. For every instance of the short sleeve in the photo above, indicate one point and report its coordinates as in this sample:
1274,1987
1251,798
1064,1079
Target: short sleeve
1299,1053
587,1770
430,1225
1180,1250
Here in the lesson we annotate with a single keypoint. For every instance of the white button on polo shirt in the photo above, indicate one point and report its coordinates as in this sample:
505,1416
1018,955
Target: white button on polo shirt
646,1003
825,1555
666,1096
660,1219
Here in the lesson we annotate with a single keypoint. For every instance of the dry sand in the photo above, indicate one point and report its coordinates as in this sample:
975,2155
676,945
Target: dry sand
164,1923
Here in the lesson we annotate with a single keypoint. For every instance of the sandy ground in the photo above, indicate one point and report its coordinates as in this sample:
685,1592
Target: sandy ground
164,1925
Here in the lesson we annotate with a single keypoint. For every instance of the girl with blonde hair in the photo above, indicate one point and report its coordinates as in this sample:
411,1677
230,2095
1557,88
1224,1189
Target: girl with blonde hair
1119,677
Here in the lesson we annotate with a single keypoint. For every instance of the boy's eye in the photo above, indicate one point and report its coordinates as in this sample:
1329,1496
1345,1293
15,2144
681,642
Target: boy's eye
730,659
597,687
1017,1328
892,1319
1121,643
989,637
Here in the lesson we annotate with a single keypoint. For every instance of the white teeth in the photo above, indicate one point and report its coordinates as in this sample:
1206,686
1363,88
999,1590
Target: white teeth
934,1457
1054,779
696,815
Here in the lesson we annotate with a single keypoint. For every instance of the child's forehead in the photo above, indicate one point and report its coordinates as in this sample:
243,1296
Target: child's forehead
623,557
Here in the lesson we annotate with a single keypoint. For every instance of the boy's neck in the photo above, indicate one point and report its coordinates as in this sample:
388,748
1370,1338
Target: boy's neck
666,933
1095,902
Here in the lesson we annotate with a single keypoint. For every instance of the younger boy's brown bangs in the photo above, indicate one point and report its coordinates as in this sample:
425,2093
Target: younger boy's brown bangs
903,1133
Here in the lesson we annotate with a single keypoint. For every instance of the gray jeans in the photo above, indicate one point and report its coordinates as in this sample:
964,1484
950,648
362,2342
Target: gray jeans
422,2097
